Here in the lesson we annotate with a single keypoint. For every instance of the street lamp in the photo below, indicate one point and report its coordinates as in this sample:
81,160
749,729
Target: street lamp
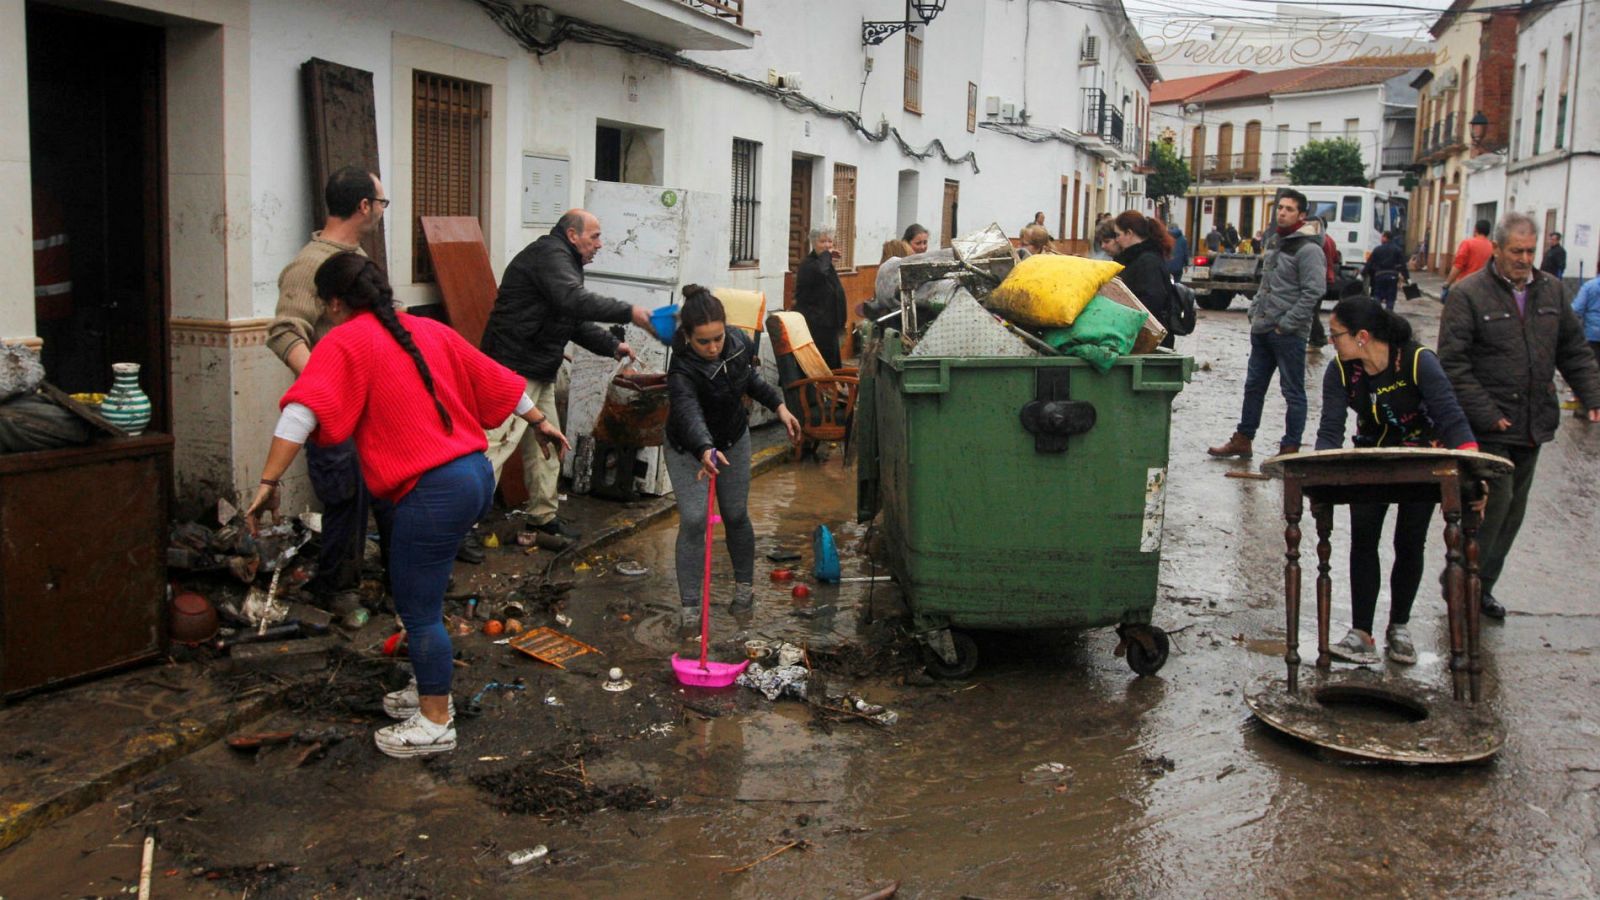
874,33
1477,127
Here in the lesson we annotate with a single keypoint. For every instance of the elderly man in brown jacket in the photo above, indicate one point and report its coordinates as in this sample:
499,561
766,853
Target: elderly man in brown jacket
1505,332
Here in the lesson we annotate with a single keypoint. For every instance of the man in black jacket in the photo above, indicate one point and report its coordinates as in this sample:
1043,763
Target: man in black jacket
1506,330
542,305
1555,256
1385,269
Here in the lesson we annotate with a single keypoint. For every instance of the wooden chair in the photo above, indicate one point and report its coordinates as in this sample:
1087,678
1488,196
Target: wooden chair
823,399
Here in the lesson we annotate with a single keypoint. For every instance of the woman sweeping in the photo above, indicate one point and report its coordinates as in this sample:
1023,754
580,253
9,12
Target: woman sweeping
1401,398
417,398
708,434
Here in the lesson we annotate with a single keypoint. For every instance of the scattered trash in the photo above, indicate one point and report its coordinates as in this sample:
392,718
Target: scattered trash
782,680
526,538
523,857
632,568
660,728
801,844
474,705
553,700
514,626
491,541
1245,473
1048,773
782,575
1157,765
825,555
813,612
356,619
312,521
783,556
193,620
788,654
494,627
394,644
615,682
1226,771
757,649
800,592
564,620
250,743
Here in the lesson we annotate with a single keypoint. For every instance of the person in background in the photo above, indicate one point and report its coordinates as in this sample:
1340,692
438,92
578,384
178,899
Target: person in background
1036,240
917,237
1555,256
1143,246
887,281
1587,307
1293,280
819,296
415,398
356,201
1401,398
1214,239
1473,254
1505,332
713,370
1104,245
1180,253
1230,237
1037,222
1385,269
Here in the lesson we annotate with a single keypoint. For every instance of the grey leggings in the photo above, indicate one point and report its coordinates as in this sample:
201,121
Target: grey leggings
733,494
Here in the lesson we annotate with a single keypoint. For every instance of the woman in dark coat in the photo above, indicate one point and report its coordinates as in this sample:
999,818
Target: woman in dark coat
819,297
1144,246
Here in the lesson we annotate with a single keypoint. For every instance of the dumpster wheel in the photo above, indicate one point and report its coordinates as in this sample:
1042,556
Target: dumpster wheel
1146,647
965,662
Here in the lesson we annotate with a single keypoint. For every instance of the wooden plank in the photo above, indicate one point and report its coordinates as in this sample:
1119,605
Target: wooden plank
342,123
461,269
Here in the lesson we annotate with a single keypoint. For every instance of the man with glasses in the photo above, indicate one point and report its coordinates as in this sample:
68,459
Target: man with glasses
1506,331
1293,280
356,201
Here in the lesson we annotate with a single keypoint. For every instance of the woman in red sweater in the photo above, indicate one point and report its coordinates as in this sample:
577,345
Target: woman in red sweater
374,377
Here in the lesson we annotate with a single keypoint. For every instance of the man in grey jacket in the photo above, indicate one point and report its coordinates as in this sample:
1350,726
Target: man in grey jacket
1293,280
1505,331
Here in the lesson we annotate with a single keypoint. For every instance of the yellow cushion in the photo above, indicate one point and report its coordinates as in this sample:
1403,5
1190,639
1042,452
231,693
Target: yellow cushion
1048,291
745,309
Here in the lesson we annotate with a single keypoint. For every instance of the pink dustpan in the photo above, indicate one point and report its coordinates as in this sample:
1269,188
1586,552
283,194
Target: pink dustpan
700,672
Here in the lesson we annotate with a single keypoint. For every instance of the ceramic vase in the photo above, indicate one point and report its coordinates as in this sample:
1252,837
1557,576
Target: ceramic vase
125,405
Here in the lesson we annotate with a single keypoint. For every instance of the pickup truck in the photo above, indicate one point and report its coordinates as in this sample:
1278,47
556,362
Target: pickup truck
1216,277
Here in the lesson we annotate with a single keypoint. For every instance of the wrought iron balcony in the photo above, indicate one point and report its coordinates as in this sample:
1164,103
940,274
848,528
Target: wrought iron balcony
678,24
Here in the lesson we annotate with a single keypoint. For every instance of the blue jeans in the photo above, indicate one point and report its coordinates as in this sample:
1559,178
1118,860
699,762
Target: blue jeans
425,528
1285,354
1384,287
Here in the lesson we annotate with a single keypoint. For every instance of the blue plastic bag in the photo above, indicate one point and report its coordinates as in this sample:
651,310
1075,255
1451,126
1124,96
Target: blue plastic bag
825,556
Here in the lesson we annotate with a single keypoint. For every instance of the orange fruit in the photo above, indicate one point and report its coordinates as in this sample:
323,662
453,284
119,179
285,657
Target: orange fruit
493,627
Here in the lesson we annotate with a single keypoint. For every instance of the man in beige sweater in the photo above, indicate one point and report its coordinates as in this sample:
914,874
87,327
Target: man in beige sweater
356,201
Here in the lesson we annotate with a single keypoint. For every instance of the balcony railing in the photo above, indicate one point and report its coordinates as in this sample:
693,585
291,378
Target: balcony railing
1100,118
1231,167
1280,163
732,10
1439,137
1395,158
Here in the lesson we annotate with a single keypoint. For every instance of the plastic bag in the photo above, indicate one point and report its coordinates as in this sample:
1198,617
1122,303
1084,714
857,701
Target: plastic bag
635,409
1047,291
1104,331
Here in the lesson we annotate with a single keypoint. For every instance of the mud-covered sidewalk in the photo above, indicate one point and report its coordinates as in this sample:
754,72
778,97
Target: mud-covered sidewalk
1052,771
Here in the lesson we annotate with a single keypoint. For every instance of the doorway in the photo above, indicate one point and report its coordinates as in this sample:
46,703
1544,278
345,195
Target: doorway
96,121
1247,218
799,210
952,206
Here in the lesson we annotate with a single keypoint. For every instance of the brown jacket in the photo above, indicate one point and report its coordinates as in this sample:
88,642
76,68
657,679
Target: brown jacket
1503,364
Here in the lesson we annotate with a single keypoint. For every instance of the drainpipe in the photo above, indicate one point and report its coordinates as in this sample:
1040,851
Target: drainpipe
1577,67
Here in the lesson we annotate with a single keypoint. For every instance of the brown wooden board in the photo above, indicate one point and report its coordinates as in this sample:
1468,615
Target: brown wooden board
342,122
548,645
462,270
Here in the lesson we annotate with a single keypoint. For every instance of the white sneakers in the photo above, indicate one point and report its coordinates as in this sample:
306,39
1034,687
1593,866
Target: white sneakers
1357,647
416,735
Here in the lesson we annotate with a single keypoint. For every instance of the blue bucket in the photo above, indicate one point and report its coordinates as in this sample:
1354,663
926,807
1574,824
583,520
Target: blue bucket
665,322
825,556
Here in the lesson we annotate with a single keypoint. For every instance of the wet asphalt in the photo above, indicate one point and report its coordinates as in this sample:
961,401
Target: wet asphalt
1165,786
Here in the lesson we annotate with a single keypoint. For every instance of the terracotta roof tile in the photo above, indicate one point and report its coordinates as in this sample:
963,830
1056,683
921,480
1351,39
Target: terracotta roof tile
1179,89
1347,73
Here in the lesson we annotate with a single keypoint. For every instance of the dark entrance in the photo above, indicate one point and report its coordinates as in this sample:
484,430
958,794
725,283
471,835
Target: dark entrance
95,131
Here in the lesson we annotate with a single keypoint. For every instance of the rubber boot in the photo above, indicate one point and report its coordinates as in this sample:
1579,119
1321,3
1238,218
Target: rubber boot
1238,445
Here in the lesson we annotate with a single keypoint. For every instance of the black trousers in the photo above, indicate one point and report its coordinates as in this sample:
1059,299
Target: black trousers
1410,543
336,480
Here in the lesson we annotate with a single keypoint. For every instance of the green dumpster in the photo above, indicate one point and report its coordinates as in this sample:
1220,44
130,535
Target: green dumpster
1019,493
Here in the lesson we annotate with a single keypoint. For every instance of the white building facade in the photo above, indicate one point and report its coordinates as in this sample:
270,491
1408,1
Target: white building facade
975,117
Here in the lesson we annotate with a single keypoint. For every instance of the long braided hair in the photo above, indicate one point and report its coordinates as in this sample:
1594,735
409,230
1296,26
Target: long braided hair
360,285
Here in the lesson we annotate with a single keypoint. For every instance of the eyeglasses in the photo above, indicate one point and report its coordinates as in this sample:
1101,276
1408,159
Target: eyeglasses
1337,334
381,201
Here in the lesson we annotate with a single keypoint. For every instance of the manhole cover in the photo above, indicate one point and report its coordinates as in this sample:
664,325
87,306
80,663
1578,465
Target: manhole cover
1364,714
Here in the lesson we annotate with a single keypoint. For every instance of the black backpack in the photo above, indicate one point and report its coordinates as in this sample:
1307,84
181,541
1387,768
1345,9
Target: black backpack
1183,314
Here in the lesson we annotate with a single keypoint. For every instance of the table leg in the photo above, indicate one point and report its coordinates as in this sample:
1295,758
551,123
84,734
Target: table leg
1474,592
1291,579
1323,514
1455,588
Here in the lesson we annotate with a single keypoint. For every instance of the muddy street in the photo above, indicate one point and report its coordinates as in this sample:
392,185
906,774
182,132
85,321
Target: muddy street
1052,771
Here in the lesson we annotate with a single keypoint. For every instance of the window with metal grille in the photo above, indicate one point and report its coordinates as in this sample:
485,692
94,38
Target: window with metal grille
913,71
447,171
746,206
844,225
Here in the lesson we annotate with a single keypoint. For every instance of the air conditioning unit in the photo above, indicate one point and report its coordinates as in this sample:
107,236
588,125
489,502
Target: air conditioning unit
991,106
1008,112
1090,52
789,81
